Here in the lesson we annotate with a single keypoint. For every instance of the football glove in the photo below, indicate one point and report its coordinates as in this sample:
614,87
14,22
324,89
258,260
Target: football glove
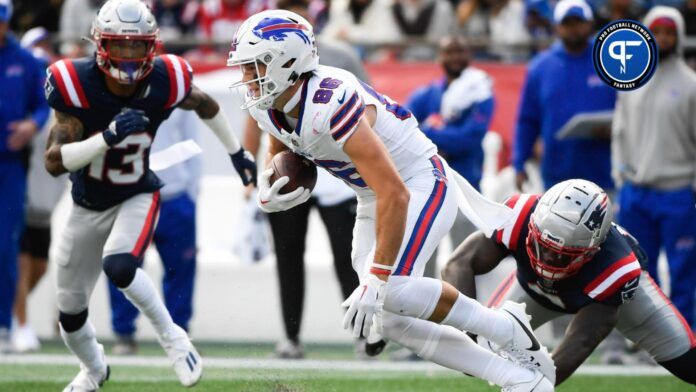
127,122
269,198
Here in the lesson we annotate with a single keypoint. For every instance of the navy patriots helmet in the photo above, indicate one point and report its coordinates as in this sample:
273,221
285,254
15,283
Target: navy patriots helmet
126,35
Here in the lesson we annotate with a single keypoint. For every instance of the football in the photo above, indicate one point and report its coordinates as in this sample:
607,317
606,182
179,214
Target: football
301,171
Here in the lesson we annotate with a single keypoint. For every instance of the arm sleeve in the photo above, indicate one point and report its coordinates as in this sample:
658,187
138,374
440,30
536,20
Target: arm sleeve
466,133
528,121
190,130
345,114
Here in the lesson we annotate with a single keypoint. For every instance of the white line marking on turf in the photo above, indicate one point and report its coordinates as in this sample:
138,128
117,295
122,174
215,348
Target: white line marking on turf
307,364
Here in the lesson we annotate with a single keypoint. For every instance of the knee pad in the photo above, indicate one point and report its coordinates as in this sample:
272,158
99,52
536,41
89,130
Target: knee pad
72,322
683,366
120,268
410,296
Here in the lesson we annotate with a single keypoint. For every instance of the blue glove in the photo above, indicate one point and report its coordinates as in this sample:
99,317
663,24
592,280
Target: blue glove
127,122
245,165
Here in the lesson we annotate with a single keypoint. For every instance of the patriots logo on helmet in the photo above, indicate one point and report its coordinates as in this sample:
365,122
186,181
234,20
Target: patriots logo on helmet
277,29
594,222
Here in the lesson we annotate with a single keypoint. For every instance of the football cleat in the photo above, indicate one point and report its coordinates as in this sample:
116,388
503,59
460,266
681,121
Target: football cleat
186,361
537,384
88,381
24,339
523,349
287,349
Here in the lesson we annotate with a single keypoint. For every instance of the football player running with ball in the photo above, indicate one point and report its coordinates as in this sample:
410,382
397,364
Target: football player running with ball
108,108
572,259
406,203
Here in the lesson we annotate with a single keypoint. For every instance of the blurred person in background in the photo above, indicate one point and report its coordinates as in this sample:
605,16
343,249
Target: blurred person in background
560,83
335,202
36,13
362,22
43,193
219,19
176,18
175,236
617,9
654,155
502,22
23,112
539,22
75,23
424,19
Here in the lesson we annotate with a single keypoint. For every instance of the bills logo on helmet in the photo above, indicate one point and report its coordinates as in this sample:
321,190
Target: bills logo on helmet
594,222
277,29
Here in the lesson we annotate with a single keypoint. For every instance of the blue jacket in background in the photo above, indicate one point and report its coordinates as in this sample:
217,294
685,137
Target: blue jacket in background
22,79
459,141
558,86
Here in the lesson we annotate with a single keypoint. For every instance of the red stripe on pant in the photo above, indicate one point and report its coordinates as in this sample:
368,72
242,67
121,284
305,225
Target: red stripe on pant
689,332
501,290
148,230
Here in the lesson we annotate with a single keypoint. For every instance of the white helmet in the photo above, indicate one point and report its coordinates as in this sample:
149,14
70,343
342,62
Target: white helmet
568,225
125,20
284,42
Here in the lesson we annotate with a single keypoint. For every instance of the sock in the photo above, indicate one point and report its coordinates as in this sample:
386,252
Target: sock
453,349
142,293
83,343
469,315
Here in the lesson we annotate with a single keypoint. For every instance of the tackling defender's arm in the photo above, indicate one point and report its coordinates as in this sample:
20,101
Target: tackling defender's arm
372,161
477,255
587,329
209,111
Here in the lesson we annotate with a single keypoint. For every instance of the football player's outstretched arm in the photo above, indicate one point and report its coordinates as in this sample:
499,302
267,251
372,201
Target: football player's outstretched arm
66,152
209,111
477,255
587,329
67,129
372,161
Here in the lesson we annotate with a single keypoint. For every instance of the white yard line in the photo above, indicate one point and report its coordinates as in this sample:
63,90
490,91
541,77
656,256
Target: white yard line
307,365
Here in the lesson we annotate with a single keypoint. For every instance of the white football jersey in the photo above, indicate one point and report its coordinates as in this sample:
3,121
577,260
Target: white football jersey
331,103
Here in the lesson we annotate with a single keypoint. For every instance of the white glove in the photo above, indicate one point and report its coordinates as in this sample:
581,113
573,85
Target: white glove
269,198
365,302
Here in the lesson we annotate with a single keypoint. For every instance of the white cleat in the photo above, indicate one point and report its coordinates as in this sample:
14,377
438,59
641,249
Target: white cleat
538,384
24,339
524,348
88,381
187,363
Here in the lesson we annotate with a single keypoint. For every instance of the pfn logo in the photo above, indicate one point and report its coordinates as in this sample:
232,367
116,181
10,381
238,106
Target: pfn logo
621,55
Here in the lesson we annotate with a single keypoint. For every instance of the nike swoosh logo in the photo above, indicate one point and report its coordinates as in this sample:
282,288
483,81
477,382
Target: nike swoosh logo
265,201
343,98
535,343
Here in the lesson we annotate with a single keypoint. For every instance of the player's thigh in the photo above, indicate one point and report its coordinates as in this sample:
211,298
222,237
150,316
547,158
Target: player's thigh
134,225
511,290
364,234
651,321
78,257
432,209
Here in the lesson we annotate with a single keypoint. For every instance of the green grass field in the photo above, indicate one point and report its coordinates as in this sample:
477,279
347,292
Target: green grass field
232,368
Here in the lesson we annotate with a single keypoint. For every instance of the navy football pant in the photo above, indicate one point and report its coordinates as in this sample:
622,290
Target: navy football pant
175,239
667,220
12,193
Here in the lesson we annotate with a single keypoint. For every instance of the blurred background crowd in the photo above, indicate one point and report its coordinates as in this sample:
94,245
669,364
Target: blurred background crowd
507,30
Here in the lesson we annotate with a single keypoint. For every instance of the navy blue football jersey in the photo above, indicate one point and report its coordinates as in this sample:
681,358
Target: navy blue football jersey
611,277
77,87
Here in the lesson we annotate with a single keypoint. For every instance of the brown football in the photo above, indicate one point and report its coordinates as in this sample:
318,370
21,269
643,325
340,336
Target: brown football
302,172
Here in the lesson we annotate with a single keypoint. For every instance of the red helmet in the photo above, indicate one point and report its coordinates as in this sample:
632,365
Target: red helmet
568,225
125,25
